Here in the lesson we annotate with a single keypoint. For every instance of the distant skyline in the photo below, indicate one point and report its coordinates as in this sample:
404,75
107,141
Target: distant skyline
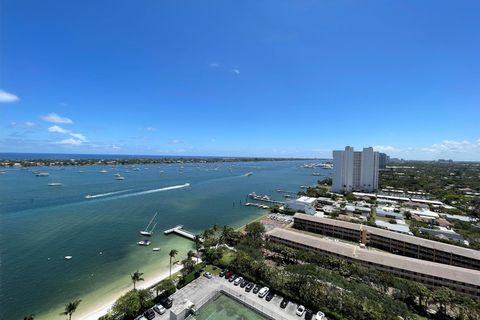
249,78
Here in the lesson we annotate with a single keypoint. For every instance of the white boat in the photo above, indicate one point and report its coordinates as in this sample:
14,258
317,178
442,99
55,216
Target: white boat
55,184
156,249
103,171
248,174
88,196
120,178
147,232
144,243
68,257
42,174
117,175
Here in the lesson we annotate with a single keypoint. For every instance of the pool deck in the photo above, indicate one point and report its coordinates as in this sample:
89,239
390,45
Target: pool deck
202,290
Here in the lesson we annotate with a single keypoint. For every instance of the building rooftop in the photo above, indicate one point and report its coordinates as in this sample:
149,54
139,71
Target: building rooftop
470,253
306,200
379,257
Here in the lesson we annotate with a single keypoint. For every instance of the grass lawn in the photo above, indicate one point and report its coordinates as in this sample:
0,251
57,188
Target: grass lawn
214,270
227,258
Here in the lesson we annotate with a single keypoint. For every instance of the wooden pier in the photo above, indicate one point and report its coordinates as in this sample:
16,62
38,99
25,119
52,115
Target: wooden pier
181,232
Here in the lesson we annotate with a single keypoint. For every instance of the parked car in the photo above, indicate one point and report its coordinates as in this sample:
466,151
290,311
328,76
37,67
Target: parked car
158,308
221,274
320,316
270,296
308,314
284,303
243,283
232,278
207,275
257,288
149,314
249,286
263,292
300,310
228,274
167,302
237,281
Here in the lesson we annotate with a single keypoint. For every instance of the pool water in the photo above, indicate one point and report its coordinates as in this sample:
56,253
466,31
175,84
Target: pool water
224,307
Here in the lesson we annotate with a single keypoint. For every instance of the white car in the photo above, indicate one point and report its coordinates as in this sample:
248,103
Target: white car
158,308
300,310
320,316
237,281
263,292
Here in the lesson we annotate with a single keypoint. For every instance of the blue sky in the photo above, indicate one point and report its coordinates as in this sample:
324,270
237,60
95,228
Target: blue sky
241,78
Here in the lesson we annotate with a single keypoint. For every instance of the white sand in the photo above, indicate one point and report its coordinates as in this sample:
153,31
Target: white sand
96,311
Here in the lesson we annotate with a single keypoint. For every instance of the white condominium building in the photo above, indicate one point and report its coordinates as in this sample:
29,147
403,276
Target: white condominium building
355,170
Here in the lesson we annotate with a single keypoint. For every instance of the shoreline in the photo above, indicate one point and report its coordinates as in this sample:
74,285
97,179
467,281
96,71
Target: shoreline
93,312
96,311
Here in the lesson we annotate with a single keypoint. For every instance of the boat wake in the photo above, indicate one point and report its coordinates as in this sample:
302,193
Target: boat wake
101,195
141,193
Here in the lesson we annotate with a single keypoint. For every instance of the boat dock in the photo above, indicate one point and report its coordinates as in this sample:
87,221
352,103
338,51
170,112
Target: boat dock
264,198
181,232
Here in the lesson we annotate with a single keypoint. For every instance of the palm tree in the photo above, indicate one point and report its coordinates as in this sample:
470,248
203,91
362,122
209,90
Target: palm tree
136,277
172,254
29,317
197,245
190,254
70,308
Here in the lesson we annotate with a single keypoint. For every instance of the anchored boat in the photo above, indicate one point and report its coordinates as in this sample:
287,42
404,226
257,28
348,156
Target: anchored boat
148,232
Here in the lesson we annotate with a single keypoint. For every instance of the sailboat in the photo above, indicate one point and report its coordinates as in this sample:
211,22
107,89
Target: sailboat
147,232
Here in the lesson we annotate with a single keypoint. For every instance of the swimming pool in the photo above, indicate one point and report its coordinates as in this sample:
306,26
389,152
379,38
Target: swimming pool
223,307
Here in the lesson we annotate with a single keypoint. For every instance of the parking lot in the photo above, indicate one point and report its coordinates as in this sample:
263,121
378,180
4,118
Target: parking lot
202,289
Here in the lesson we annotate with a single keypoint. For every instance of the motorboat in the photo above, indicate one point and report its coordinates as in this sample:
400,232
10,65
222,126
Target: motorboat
120,178
55,184
156,249
42,174
144,242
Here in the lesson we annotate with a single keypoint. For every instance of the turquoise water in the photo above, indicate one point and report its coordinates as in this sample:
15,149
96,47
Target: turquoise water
41,224
224,307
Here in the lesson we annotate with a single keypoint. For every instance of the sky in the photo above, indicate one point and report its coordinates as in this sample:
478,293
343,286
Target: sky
241,78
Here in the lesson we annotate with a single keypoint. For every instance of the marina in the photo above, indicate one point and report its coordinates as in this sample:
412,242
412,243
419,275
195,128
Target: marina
90,213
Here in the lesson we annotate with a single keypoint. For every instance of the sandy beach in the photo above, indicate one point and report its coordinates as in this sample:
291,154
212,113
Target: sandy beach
93,312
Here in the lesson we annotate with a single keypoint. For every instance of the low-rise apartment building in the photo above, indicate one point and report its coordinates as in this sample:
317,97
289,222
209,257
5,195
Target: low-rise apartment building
390,241
431,274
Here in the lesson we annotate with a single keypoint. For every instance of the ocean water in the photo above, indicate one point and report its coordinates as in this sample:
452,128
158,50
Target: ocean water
40,225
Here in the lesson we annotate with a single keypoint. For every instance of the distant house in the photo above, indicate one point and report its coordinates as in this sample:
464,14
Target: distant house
390,214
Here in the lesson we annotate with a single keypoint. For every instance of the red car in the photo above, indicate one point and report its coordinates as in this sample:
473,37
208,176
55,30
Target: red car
228,274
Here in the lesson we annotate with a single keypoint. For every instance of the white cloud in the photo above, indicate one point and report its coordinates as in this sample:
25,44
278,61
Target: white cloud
7,97
447,149
79,136
176,141
57,129
55,118
213,140
151,129
69,142
214,65
236,71
26,124
384,149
